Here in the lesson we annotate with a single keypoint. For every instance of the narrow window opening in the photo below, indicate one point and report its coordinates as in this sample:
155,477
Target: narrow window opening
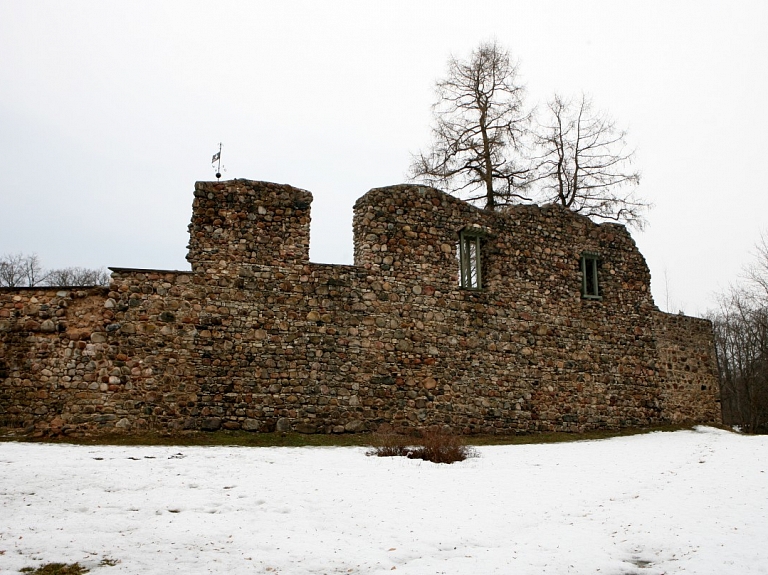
590,285
470,273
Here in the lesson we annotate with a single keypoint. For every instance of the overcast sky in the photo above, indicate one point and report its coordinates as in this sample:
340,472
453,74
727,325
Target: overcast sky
110,111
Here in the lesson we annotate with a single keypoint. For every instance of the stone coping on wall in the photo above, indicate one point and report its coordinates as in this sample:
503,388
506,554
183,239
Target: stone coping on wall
5,289
350,267
681,317
149,270
340,266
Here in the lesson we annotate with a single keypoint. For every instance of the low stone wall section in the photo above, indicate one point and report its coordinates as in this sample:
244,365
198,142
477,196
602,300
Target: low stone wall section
687,358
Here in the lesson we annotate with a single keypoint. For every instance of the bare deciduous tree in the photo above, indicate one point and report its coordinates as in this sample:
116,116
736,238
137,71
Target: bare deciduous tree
741,342
10,271
479,127
757,273
584,165
76,276
18,270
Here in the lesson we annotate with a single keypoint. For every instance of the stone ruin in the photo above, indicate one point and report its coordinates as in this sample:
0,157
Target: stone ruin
523,320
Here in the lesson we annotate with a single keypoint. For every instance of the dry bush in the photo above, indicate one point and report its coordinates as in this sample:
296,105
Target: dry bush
56,569
434,446
441,447
389,445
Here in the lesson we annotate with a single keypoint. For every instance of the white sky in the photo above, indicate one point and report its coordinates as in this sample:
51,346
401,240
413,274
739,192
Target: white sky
110,111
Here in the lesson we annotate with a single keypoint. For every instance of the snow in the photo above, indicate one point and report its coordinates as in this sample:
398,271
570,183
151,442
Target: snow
682,502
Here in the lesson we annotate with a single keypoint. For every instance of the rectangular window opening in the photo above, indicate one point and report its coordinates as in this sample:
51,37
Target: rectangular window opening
470,273
590,284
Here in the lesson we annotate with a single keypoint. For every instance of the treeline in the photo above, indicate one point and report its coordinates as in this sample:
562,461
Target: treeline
741,342
20,270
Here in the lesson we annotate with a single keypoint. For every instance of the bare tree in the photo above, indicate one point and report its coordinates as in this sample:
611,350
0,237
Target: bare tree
757,273
34,273
479,127
10,270
18,270
741,343
584,165
76,276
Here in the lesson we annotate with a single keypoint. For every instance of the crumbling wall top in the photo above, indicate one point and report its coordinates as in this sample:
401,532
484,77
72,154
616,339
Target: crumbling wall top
241,222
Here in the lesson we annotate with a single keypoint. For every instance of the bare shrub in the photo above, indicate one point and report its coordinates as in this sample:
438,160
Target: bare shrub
389,445
56,569
434,446
441,447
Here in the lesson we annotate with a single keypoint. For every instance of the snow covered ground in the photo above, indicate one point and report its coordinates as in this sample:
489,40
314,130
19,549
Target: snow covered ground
682,502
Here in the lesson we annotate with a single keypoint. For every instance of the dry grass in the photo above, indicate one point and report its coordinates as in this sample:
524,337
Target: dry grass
434,446
56,569
64,569
389,445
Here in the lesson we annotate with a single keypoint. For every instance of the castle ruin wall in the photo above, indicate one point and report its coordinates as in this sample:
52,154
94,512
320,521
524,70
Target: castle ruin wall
258,338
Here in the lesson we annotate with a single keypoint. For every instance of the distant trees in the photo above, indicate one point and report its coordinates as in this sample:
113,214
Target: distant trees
479,126
19,270
741,343
77,276
487,147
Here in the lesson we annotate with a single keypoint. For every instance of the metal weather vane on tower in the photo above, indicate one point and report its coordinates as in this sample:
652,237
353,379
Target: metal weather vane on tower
216,161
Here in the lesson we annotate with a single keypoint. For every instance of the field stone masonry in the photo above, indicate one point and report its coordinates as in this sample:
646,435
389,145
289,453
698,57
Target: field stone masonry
256,337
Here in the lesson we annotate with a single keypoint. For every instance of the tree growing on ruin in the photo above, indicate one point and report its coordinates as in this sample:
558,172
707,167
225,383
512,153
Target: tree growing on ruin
480,125
482,142
583,163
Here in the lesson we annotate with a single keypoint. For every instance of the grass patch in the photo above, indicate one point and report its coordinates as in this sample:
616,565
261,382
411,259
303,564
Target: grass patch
206,438
56,569
248,439
563,437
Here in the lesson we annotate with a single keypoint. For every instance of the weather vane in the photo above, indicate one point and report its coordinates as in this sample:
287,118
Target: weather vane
216,160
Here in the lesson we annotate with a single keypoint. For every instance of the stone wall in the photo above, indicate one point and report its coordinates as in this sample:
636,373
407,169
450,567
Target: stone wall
258,338
687,356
